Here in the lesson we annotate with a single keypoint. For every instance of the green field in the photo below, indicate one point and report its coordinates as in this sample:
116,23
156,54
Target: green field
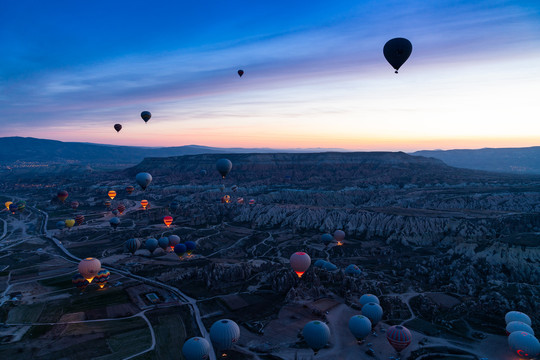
25,313
94,299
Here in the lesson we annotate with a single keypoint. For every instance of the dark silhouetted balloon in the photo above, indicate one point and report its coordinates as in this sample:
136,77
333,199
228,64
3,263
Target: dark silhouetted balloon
146,116
224,166
117,127
180,249
62,195
397,51
132,245
143,179
240,73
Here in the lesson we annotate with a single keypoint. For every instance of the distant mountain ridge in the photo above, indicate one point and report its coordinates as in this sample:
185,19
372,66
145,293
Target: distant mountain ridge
21,149
510,160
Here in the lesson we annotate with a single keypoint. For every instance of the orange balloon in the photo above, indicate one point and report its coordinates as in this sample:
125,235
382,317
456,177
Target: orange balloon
144,203
112,194
168,220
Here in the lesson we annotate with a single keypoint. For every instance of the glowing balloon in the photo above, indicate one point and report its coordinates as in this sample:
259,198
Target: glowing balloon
300,262
102,277
89,268
144,203
112,194
130,189
7,203
168,220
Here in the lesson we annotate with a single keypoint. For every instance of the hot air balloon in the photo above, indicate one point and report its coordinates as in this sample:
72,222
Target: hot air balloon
174,240
353,270
524,344
112,194
21,206
117,127
115,212
143,179
224,166
13,208
252,202
240,200
144,204
74,205
174,205
517,316
114,222
121,208
300,262
70,223
151,244
180,249
168,220
328,266
79,219
132,245
196,348
79,281
203,172
224,334
399,337
62,195
240,73
317,334
368,298
102,277
319,263
222,187
89,268
327,238
145,115
130,189
234,188
7,203
518,326
163,242
373,312
226,199
360,327
190,246
397,51
339,235
107,204
60,225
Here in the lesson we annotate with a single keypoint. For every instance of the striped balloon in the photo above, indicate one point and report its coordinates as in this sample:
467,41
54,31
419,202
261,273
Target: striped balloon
399,337
79,281
132,245
79,219
102,277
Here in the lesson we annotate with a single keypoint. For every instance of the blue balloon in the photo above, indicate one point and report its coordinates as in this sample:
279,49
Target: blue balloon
60,225
353,270
180,249
163,242
151,244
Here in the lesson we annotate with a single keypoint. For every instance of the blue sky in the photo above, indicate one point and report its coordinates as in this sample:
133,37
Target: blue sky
314,73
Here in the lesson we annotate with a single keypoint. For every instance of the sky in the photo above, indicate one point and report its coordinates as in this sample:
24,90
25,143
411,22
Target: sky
315,75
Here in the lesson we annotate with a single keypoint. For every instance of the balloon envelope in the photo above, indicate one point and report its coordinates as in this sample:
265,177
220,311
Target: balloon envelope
360,326
146,115
300,262
144,203
151,244
7,203
79,219
112,194
196,348
114,222
353,270
62,195
132,245
190,246
174,240
224,166
399,337
327,238
74,205
240,73
317,334
117,127
397,51
70,223
130,189
180,249
102,277
524,344
518,326
517,316
368,298
89,268
168,220
143,179
373,312
163,242
224,334
79,281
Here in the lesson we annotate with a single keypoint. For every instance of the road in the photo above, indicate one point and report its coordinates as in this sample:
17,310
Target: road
192,303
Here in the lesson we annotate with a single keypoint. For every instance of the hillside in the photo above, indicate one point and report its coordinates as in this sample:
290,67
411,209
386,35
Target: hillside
512,160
